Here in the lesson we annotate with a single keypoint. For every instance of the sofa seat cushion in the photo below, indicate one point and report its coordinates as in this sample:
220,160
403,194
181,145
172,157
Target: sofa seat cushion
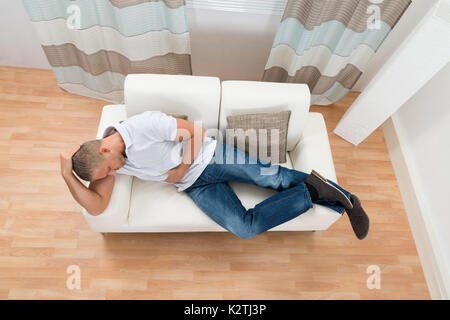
158,207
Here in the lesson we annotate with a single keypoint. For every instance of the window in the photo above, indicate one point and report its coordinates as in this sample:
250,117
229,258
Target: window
274,7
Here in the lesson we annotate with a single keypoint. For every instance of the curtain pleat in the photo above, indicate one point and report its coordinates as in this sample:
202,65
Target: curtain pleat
113,38
327,44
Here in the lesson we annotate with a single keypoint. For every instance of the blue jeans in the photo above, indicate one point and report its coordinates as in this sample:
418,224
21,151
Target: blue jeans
212,193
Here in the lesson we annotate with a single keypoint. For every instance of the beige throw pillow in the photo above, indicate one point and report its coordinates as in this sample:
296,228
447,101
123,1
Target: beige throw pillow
269,122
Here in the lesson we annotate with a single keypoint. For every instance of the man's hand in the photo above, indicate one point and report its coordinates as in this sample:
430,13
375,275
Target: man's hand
176,174
194,136
65,158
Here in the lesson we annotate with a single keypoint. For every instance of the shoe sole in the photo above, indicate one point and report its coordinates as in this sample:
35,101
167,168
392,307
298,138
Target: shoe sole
352,218
348,202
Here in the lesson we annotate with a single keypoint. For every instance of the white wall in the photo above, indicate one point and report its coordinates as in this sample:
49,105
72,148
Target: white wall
416,11
230,45
18,43
424,126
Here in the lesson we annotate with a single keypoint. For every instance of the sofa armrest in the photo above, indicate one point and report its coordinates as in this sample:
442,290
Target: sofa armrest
313,149
115,215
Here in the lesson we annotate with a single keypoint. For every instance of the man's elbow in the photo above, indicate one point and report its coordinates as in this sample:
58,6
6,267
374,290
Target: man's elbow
96,211
93,212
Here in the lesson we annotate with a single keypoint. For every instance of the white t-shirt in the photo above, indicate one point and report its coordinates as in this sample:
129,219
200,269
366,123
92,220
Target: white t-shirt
151,148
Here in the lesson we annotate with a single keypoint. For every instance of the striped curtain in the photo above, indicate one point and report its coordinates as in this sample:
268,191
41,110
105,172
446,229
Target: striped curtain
93,44
327,44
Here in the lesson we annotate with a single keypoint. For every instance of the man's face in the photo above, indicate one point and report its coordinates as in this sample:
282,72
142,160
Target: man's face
113,162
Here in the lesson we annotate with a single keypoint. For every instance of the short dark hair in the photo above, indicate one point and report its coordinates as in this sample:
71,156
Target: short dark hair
87,159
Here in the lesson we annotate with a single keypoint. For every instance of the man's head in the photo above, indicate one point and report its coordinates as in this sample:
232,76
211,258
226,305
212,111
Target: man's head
95,160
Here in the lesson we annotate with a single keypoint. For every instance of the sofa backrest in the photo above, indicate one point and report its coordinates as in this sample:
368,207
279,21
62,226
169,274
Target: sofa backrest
196,96
210,101
240,97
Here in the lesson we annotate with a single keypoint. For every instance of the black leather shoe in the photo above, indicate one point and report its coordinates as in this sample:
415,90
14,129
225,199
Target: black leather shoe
358,218
326,191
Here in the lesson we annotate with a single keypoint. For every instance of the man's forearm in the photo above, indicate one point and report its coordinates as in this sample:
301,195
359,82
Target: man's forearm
87,198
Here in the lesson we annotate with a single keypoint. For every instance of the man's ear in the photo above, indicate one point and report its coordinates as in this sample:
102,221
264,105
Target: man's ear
104,150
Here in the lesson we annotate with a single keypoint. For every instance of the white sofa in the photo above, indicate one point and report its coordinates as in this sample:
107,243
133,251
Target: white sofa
145,206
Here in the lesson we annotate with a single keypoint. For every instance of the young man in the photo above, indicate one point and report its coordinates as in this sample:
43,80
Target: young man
155,146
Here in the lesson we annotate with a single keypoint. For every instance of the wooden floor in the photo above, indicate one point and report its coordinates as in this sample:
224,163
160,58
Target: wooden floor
42,230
